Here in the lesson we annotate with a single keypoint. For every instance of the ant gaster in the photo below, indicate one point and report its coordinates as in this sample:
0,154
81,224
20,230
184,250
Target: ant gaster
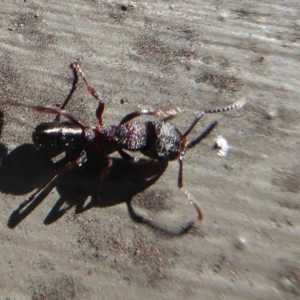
156,139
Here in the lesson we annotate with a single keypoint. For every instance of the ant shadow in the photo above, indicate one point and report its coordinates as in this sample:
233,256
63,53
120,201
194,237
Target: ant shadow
26,168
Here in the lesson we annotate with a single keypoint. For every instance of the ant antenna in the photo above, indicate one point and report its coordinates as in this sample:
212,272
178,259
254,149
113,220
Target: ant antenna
237,105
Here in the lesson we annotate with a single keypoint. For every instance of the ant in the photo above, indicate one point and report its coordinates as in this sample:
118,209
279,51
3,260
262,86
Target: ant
156,139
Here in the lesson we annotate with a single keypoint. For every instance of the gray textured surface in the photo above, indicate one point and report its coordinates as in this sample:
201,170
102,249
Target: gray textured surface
157,54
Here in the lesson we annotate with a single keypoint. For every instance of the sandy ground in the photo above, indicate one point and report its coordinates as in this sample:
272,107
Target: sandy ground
155,55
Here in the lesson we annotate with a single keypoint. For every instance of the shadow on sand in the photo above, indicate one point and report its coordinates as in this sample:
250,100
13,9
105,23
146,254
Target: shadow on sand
25,169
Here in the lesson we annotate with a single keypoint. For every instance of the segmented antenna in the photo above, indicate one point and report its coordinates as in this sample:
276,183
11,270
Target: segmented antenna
233,106
237,105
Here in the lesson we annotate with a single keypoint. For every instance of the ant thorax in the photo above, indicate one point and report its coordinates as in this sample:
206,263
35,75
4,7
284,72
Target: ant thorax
129,136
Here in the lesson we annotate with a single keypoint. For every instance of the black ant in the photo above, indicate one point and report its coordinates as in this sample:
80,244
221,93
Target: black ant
156,139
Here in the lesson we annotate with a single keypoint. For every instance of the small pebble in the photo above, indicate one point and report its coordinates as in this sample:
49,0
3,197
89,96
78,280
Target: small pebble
241,243
271,114
221,145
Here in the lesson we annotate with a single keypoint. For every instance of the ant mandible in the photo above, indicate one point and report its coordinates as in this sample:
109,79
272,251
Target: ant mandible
156,139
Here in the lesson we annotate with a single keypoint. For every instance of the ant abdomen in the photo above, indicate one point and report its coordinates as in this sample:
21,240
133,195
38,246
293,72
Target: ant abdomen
55,138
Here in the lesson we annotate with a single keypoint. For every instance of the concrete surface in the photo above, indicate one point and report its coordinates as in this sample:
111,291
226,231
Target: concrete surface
154,55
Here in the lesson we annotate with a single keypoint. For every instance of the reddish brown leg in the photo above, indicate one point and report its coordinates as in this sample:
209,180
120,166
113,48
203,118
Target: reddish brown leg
50,110
193,202
180,160
93,92
128,117
186,193
63,169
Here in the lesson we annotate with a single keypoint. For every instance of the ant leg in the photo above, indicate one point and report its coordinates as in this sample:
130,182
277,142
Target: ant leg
127,118
193,202
186,193
63,169
50,110
180,160
92,91
157,113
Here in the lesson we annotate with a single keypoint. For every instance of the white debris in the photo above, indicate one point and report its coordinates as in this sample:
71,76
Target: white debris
221,145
